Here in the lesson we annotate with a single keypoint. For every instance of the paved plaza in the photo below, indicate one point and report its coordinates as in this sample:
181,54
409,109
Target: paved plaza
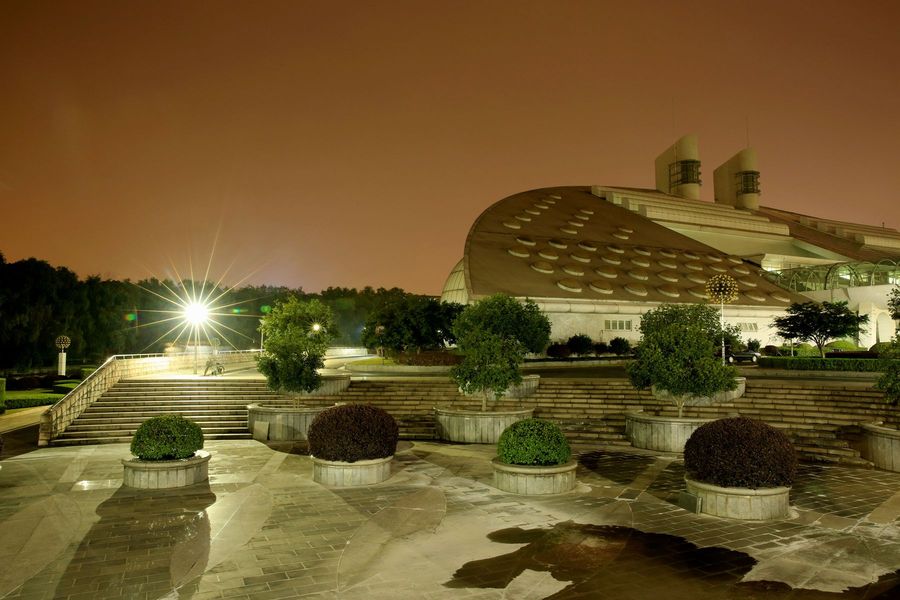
262,529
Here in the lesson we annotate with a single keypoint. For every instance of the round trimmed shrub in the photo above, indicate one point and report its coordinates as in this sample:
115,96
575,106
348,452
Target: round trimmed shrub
167,437
533,442
352,432
580,344
740,452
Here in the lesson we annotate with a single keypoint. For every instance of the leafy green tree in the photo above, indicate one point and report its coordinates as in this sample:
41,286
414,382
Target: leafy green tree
619,346
297,334
889,382
494,335
819,323
677,353
894,303
410,323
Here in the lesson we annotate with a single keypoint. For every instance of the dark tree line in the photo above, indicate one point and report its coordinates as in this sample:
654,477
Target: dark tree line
39,302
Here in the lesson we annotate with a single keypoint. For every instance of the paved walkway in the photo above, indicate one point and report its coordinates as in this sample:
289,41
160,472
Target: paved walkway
262,529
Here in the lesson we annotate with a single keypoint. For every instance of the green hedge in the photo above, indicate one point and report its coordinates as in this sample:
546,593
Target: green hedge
2,395
64,386
805,363
29,398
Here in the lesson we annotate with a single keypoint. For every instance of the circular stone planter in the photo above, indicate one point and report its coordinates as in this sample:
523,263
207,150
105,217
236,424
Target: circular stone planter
663,434
163,474
345,474
280,423
882,446
764,504
529,480
706,400
474,426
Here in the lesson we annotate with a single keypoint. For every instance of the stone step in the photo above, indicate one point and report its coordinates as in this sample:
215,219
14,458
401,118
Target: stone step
120,439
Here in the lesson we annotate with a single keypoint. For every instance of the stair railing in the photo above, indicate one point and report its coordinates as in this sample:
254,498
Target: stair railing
121,366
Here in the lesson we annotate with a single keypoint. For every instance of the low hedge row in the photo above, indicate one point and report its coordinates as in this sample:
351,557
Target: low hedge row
2,395
47,400
808,363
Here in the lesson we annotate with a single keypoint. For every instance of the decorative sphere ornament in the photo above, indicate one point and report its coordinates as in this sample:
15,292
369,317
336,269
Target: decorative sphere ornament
62,342
722,289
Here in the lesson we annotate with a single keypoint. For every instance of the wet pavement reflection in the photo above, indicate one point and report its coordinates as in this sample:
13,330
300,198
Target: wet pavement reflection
607,561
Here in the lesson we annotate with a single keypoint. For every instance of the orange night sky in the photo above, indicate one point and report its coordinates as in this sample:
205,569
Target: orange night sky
354,143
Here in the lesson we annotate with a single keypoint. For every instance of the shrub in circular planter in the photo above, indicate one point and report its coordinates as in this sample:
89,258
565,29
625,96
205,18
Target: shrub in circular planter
740,452
168,437
533,442
353,432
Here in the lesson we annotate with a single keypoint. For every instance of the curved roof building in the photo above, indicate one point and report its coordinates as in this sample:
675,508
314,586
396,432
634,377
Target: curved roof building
595,258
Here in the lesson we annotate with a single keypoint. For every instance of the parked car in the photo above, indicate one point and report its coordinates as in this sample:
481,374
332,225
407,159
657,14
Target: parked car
742,356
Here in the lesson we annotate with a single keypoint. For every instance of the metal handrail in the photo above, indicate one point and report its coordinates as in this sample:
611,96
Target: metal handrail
68,408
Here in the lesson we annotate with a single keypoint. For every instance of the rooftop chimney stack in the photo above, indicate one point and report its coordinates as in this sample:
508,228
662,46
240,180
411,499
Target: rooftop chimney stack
678,169
736,182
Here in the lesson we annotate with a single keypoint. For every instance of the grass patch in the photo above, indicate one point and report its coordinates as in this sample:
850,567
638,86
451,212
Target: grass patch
29,398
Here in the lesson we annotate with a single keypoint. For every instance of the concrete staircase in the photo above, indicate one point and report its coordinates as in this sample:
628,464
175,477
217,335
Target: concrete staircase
219,406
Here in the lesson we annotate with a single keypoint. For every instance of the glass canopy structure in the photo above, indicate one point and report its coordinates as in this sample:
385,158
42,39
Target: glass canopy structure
839,275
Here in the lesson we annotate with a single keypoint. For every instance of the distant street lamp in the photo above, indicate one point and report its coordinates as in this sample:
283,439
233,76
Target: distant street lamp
62,342
724,290
196,314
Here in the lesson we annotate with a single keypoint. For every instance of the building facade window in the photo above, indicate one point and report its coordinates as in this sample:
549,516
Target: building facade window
747,182
748,327
682,172
617,325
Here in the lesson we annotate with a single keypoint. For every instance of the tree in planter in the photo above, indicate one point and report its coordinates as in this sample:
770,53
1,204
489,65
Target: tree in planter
297,334
819,323
894,303
677,353
889,382
494,334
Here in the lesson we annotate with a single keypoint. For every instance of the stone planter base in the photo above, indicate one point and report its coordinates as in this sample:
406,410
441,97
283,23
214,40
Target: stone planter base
163,474
706,400
344,474
475,427
534,480
764,504
882,446
280,423
663,434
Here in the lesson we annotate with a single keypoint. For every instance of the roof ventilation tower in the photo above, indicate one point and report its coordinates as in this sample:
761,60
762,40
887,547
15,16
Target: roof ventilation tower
678,169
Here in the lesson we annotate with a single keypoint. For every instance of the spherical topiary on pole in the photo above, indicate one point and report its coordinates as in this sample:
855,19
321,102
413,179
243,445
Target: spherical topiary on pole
724,290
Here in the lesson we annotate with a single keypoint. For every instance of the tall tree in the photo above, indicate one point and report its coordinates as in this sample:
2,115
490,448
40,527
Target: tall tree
819,323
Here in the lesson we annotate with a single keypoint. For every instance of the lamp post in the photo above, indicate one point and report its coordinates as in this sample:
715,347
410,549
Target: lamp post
62,342
724,290
196,314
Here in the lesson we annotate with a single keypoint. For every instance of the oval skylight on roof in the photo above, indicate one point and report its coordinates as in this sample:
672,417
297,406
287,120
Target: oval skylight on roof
668,253
580,257
570,285
668,290
587,246
640,261
670,276
586,211
556,196
690,255
625,229
611,260
558,243
639,274
541,205
616,249
693,266
607,272
575,270
575,223
601,287
525,218
569,230
512,225
714,258
741,270
735,259
697,278
518,252
719,268
636,289
754,295
780,297
525,241
668,264
533,211
747,281
542,267
548,254
620,235
698,292
581,217
641,250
